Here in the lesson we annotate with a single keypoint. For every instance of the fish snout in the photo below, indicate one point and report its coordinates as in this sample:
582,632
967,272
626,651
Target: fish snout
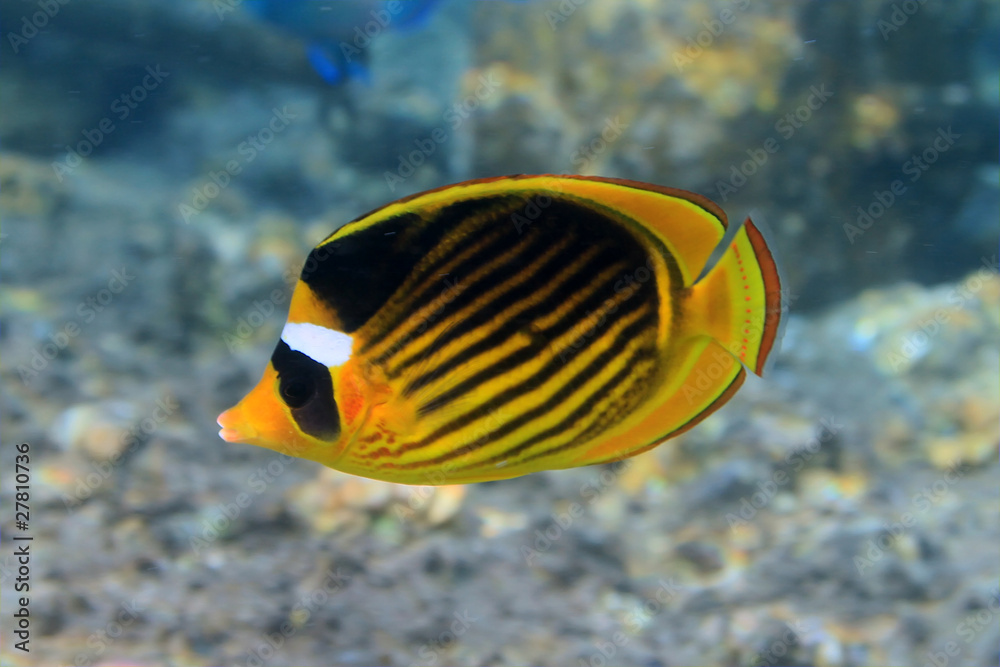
234,427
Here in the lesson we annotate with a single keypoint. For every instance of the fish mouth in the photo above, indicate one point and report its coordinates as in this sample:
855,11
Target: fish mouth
233,430
230,435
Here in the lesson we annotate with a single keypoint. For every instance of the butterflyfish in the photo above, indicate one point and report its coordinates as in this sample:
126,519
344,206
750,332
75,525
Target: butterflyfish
503,326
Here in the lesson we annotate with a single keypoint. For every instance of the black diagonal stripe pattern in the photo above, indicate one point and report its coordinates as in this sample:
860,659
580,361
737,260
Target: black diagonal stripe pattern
464,221
562,221
572,388
470,292
598,254
423,290
579,414
551,405
355,274
608,417
458,216
532,383
573,318
554,269
487,253
425,296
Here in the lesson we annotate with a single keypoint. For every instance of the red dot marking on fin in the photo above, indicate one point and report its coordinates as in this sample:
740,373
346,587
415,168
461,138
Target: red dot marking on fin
746,286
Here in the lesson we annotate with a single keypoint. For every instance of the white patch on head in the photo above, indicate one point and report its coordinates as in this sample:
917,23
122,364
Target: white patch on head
328,347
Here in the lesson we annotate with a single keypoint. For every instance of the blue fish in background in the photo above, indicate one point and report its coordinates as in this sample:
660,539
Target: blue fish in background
336,30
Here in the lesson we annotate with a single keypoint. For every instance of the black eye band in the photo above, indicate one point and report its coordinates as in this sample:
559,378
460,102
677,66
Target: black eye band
305,386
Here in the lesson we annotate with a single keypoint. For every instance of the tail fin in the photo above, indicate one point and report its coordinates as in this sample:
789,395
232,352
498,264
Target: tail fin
733,311
738,300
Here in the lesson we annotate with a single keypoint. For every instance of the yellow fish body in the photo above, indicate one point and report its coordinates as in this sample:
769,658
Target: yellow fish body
499,327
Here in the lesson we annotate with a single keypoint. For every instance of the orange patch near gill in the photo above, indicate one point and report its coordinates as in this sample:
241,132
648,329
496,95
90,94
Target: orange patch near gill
350,394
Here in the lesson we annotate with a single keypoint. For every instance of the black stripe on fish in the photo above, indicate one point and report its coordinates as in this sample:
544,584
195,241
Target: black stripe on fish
497,313
356,273
462,219
571,389
401,324
306,388
508,266
575,317
601,421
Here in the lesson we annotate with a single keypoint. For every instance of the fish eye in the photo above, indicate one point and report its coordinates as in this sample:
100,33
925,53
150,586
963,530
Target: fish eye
297,391
306,387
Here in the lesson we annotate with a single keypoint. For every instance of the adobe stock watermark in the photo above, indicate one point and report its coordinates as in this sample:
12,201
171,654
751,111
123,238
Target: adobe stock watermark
794,461
98,642
914,168
714,27
585,155
430,652
121,108
531,211
307,605
8,568
706,377
922,502
970,287
428,317
454,116
364,35
624,288
900,15
223,7
722,361
785,127
419,496
636,620
130,440
253,318
796,634
974,623
560,522
247,151
261,310
918,343
562,12
30,26
87,311
225,514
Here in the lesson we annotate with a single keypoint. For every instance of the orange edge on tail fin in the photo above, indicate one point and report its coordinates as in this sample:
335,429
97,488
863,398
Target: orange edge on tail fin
772,293
737,301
